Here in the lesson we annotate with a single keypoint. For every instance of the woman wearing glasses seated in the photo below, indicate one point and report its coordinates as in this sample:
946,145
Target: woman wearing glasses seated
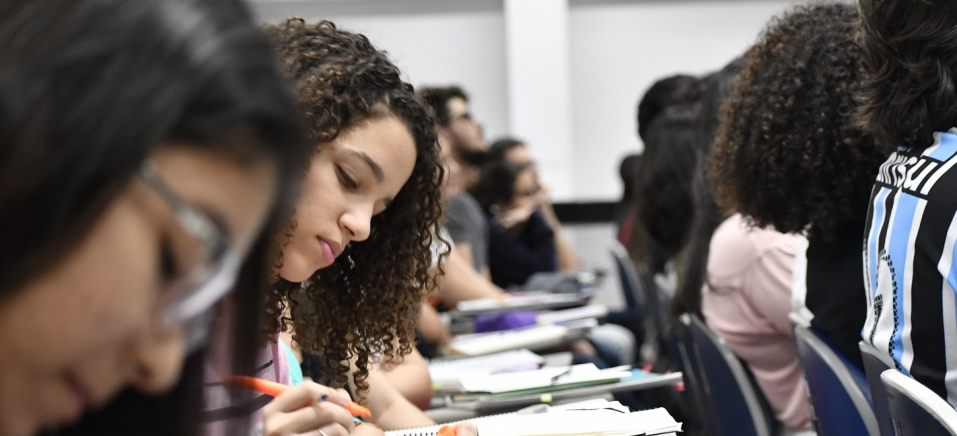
145,148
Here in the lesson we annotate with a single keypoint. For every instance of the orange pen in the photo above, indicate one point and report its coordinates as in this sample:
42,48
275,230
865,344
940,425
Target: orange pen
274,389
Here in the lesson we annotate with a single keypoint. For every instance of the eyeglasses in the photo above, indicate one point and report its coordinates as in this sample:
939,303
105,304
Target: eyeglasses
189,299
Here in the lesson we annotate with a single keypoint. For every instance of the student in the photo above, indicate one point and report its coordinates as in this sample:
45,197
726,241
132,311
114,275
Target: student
908,106
515,152
790,155
353,264
521,242
135,181
463,216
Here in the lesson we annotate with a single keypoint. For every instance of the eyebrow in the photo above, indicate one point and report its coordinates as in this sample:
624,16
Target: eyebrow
376,169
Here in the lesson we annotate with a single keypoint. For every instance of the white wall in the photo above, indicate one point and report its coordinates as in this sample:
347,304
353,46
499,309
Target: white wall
617,49
620,50
458,47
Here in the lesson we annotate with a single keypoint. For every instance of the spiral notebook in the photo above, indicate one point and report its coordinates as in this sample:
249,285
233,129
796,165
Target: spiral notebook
597,422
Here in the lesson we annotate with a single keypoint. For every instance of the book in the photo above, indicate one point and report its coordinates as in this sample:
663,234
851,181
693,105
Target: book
539,381
519,301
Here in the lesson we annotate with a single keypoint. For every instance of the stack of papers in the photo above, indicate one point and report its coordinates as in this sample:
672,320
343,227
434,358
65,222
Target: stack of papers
531,301
590,418
538,381
487,343
447,374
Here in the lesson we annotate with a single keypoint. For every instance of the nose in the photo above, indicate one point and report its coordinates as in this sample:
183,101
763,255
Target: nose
158,357
356,223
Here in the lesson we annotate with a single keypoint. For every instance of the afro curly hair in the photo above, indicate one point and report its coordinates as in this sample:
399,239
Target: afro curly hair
788,151
363,306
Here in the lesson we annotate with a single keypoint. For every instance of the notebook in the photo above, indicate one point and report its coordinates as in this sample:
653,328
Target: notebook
530,301
541,380
559,421
578,313
487,343
446,374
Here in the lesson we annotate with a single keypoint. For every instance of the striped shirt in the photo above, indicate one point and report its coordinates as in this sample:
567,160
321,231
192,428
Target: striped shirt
909,273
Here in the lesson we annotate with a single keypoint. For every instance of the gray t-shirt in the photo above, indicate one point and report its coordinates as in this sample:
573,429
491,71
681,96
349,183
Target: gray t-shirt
467,225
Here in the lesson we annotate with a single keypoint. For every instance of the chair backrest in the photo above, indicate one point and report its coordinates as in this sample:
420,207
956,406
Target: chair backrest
736,403
628,275
875,363
837,388
696,395
915,409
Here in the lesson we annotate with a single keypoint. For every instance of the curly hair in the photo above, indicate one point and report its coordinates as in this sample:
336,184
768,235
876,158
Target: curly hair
788,152
363,306
910,50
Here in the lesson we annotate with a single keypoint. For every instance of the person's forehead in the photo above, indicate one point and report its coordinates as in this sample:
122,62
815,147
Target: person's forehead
519,155
457,106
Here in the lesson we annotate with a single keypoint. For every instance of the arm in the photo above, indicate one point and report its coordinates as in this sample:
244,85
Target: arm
567,258
390,410
431,327
462,283
412,380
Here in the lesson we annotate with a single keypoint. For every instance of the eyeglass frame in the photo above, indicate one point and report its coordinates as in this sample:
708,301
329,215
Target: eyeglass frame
213,282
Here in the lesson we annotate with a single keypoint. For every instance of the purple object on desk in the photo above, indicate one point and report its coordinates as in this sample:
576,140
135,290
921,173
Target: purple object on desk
503,321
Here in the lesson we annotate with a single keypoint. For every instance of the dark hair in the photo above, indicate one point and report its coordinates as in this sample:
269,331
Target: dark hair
910,50
692,272
663,195
362,306
496,184
438,99
788,153
88,91
658,97
498,149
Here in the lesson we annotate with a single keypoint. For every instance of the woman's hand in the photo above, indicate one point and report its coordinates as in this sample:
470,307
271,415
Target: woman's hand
465,429
367,430
299,411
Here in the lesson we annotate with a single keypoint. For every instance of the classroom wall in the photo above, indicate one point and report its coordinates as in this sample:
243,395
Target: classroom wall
617,49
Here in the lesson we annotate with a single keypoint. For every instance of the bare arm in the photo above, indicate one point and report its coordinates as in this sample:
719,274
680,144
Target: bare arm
462,283
390,410
431,326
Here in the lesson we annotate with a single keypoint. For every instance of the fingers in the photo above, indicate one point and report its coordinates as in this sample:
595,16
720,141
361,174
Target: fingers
326,416
465,429
344,394
327,430
304,395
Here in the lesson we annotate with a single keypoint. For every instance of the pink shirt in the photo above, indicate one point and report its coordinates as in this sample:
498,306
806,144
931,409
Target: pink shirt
746,301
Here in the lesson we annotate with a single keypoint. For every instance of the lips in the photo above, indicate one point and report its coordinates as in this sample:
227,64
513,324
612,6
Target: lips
84,400
330,250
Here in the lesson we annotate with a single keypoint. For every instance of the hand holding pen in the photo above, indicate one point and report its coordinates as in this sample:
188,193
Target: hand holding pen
308,409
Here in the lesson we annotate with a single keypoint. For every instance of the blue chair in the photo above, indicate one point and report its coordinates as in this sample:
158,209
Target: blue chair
838,389
629,277
738,406
695,396
875,363
916,410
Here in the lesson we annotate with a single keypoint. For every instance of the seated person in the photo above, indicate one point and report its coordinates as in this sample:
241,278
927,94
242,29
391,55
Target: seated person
909,103
789,154
521,241
515,152
746,299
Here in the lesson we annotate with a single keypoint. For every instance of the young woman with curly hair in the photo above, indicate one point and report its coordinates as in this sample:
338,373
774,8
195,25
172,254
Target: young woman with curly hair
352,266
790,155
138,184
910,106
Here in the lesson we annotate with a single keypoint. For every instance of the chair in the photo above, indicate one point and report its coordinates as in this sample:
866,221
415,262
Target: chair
628,275
916,410
875,363
738,408
695,395
838,389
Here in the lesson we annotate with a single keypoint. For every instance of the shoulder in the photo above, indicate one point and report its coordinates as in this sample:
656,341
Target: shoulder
736,246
